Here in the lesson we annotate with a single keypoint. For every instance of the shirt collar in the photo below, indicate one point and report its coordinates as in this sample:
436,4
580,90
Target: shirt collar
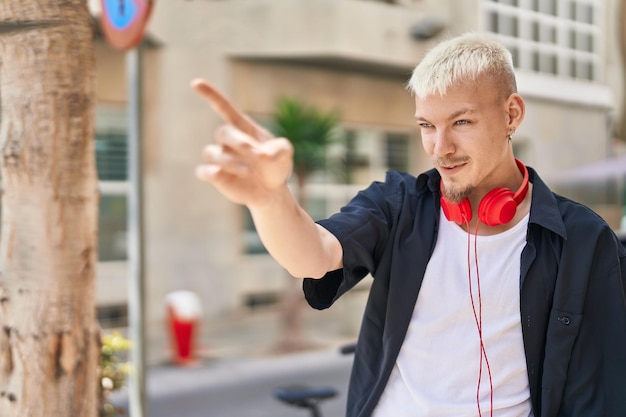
544,210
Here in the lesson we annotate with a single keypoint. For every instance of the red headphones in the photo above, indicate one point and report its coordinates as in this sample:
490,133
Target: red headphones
497,207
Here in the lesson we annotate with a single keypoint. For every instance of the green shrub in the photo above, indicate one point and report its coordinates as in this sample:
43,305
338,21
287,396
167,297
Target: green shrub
112,372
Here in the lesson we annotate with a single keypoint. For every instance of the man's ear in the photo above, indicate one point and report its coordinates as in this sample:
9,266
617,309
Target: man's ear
516,109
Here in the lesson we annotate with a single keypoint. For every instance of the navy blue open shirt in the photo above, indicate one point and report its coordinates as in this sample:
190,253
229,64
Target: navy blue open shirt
572,281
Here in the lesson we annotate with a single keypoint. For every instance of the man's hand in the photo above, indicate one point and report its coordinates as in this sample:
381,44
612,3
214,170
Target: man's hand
247,164
251,167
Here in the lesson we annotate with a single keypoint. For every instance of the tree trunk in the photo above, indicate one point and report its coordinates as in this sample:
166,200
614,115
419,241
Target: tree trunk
49,341
292,337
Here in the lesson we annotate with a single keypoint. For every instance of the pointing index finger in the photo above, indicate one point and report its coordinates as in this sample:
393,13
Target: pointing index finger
227,111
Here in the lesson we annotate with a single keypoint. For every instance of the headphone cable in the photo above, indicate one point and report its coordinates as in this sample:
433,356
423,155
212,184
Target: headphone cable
478,318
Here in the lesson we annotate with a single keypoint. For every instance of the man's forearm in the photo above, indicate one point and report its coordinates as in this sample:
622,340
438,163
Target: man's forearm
293,239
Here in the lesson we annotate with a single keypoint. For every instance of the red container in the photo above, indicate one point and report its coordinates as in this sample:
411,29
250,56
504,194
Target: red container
183,316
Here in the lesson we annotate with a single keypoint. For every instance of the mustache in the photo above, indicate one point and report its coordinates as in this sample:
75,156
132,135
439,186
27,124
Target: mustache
449,161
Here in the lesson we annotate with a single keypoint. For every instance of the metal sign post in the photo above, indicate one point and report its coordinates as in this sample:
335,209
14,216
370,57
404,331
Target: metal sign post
123,23
136,290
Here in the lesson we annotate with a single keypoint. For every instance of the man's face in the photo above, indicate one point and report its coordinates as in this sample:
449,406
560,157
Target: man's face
465,134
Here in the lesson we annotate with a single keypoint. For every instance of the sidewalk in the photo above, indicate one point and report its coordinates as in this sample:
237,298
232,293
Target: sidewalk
238,367
242,387
170,381
256,334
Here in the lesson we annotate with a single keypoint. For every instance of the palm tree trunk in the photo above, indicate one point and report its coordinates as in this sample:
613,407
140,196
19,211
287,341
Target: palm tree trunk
49,341
292,337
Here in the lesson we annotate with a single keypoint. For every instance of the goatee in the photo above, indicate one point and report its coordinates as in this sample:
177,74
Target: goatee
456,195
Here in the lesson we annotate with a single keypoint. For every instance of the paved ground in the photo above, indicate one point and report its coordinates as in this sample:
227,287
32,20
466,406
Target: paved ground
240,370
243,387
255,334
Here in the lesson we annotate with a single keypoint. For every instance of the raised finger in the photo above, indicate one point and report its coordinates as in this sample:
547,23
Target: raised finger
207,172
216,156
227,111
234,139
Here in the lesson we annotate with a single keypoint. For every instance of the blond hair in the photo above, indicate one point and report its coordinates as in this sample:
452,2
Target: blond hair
463,59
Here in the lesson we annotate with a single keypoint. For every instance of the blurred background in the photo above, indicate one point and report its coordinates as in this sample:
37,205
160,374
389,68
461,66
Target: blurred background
351,59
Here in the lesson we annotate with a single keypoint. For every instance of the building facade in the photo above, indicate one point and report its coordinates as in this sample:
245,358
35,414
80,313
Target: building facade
353,56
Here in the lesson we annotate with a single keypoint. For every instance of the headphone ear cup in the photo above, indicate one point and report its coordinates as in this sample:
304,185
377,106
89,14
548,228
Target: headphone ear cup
497,207
460,213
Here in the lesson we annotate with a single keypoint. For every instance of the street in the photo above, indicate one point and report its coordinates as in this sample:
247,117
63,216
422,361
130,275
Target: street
243,387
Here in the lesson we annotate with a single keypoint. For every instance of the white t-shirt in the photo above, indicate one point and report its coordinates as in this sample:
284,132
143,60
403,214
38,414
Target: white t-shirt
436,373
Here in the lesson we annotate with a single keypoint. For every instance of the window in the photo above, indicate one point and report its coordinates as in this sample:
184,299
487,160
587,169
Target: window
111,149
111,162
112,226
366,154
557,37
112,316
397,151
111,155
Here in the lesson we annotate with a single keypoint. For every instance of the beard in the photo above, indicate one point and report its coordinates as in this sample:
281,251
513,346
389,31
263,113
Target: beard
457,194
452,193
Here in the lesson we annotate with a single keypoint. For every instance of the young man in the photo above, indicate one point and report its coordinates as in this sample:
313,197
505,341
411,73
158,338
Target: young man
491,295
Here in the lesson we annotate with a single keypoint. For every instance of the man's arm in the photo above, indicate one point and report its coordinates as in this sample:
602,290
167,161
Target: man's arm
304,248
251,167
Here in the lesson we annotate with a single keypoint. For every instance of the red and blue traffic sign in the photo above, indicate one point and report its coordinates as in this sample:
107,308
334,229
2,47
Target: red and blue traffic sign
123,21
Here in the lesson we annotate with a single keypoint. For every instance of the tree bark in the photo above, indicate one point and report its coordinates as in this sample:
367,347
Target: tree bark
49,340
292,303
